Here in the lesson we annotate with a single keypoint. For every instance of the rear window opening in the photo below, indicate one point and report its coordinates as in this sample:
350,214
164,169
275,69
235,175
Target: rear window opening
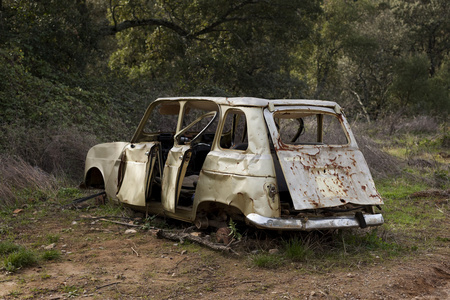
300,128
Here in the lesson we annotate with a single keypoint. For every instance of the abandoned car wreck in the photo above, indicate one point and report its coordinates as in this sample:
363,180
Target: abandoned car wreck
275,164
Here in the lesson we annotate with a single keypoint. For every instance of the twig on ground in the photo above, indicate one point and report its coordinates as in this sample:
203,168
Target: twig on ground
106,285
181,236
120,223
137,254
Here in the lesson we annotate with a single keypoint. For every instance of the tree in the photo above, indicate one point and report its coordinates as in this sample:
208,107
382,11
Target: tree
52,35
236,47
428,22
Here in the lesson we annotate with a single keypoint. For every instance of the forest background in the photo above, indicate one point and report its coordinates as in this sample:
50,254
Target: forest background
74,73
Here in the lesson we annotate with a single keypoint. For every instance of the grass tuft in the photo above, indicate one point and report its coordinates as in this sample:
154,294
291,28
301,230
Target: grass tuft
19,259
297,250
7,247
266,260
51,255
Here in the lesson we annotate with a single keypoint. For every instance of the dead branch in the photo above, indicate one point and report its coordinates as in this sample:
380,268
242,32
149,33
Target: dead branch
100,287
185,236
120,223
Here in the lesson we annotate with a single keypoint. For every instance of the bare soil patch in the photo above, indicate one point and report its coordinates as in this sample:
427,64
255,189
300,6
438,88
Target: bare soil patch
100,261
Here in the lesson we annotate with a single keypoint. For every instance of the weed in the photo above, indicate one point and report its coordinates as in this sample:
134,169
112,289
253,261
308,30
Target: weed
297,250
233,230
15,294
46,276
19,259
7,247
52,238
51,255
266,260
68,193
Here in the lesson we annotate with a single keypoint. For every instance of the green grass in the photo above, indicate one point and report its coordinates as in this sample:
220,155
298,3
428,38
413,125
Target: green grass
52,238
266,260
51,255
297,250
19,259
7,247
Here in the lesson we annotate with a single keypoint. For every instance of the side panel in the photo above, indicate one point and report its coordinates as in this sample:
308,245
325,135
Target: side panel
242,179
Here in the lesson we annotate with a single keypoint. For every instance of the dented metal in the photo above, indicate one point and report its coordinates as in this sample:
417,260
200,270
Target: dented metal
279,164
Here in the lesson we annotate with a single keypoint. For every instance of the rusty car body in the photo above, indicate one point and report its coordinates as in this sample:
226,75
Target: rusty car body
275,164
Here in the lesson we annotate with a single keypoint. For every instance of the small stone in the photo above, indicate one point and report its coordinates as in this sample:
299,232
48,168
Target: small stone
74,223
49,247
274,251
130,231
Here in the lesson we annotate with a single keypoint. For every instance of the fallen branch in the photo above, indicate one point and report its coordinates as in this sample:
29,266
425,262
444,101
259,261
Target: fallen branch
106,285
185,236
120,223
80,200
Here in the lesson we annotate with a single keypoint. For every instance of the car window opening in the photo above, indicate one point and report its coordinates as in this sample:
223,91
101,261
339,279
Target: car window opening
310,129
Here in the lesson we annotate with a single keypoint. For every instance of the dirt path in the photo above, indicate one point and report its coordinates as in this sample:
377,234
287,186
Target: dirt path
100,261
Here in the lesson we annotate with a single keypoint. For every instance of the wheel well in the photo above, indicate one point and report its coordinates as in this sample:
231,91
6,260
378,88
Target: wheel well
215,209
94,178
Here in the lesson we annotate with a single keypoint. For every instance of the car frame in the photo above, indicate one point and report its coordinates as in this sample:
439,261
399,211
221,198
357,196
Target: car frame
287,164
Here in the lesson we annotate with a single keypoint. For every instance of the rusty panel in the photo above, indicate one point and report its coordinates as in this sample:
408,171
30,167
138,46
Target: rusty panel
324,176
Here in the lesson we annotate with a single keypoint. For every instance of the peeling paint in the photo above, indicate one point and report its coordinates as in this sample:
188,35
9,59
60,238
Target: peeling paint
195,169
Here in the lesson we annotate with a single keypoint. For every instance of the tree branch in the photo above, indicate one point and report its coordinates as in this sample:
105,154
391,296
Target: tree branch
225,18
111,30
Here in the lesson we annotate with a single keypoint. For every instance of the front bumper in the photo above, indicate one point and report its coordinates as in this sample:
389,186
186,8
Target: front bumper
313,223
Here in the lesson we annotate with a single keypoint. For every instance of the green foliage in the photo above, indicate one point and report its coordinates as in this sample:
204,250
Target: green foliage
7,247
19,259
231,47
52,238
297,250
51,255
234,231
266,260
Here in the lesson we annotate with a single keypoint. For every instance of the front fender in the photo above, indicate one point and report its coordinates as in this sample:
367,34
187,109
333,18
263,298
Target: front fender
106,158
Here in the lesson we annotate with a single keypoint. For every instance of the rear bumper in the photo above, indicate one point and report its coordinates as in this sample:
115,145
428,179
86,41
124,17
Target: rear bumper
313,223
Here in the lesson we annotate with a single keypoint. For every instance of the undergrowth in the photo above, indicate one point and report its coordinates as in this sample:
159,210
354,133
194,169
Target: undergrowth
342,249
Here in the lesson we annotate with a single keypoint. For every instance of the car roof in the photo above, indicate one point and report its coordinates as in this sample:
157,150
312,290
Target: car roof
256,102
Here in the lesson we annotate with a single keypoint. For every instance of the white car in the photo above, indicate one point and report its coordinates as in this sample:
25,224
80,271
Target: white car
275,164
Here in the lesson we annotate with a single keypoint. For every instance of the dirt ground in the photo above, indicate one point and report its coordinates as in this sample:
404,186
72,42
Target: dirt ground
100,261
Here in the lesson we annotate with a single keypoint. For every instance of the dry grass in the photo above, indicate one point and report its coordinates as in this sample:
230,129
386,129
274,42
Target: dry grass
56,151
18,177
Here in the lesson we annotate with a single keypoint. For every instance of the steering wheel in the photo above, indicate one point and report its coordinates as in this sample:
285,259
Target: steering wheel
212,114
